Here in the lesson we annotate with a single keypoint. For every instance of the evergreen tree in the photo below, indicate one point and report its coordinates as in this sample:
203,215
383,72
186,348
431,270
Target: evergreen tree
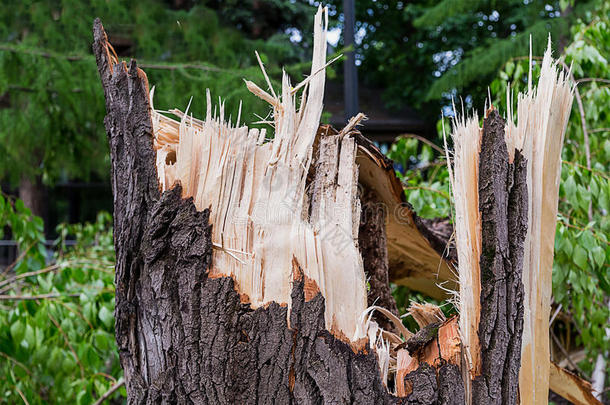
51,103
423,53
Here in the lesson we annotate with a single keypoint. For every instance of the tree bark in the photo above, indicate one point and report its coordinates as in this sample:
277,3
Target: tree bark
186,337
503,206
32,192
373,248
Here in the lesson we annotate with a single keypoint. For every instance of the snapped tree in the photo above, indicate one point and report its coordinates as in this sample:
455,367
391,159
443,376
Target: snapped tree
242,263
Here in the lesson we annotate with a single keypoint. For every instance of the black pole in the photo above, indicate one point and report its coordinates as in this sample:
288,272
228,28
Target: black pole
350,74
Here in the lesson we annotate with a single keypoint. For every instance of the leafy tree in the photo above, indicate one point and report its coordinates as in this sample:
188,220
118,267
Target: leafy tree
424,177
51,105
425,52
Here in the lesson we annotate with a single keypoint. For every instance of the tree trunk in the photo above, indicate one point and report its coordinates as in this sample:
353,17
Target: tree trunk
184,337
188,333
32,192
503,207
373,248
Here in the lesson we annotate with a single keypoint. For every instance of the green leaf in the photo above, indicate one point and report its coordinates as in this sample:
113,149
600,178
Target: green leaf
580,257
39,336
566,246
599,256
29,338
89,311
594,187
106,316
55,358
584,197
570,187
84,398
102,340
587,240
607,148
18,331
20,207
68,364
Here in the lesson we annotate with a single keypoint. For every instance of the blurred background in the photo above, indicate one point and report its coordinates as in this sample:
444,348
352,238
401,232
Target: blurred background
403,64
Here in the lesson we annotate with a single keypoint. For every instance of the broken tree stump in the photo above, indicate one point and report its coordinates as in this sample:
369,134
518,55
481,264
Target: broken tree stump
186,331
242,263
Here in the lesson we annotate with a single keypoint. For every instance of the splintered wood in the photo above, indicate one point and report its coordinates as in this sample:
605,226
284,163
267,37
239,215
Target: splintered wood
464,178
491,210
441,348
264,212
542,118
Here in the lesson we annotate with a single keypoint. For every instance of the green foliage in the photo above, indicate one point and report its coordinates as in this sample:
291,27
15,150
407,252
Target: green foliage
450,47
57,346
26,230
51,102
424,178
436,14
486,59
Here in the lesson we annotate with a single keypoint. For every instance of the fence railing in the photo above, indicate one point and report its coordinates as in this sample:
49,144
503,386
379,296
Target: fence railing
9,251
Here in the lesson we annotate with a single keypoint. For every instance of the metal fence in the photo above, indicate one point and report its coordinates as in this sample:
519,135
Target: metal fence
9,251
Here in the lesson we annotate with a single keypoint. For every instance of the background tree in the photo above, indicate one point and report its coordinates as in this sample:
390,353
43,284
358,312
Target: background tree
56,325
424,53
51,106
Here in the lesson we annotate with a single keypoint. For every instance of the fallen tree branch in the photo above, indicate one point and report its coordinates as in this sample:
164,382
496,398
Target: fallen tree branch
571,387
120,382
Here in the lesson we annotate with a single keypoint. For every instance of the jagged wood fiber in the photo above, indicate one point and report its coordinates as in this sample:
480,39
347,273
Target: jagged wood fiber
186,338
266,210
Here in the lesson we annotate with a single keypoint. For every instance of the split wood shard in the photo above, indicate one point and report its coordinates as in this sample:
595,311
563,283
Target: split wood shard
264,220
542,116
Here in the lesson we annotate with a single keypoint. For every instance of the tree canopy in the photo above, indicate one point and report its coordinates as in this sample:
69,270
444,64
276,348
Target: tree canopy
424,53
51,104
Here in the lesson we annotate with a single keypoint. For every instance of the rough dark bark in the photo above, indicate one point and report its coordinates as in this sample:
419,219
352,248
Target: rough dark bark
374,251
441,387
189,339
438,231
450,393
33,194
435,387
424,386
517,225
421,339
503,206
